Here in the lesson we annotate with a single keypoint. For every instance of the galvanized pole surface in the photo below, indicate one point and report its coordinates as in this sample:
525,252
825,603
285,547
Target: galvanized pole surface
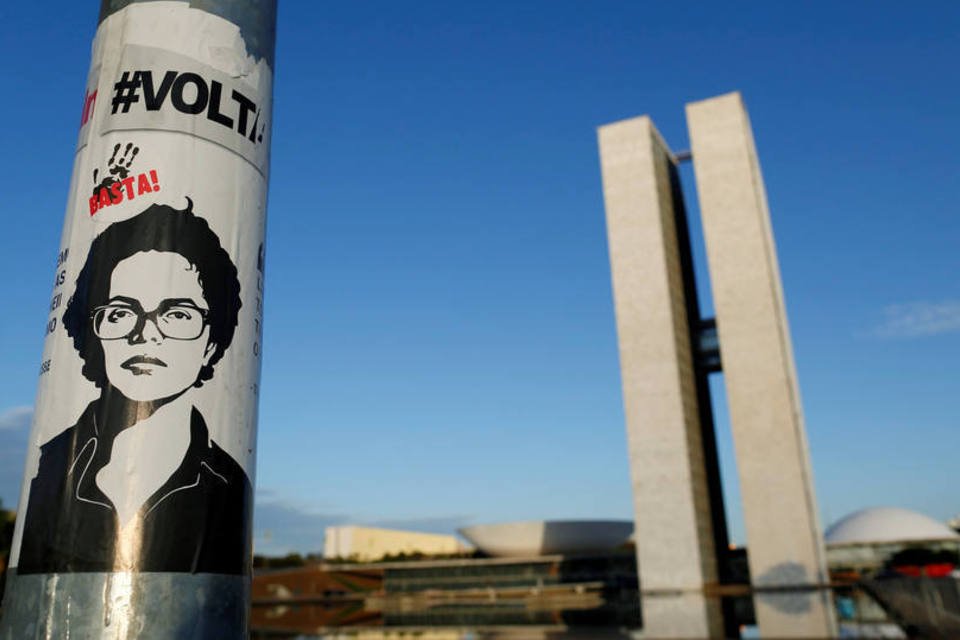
135,514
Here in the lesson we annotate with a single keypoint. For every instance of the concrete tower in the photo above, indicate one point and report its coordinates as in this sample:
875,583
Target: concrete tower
665,358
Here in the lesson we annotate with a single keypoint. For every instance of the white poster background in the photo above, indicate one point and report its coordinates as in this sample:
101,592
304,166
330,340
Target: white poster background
227,190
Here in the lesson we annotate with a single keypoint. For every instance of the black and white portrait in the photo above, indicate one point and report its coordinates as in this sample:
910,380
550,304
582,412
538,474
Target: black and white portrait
137,483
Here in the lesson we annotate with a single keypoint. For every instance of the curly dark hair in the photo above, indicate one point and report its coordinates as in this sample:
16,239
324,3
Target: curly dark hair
157,228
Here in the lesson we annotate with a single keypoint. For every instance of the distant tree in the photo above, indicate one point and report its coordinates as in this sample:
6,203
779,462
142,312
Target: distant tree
402,556
281,562
6,539
922,556
6,530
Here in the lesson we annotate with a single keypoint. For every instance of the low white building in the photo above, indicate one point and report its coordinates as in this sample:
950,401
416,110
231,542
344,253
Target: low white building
366,544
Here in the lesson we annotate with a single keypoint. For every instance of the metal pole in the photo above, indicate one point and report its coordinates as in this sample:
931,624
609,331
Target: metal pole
135,514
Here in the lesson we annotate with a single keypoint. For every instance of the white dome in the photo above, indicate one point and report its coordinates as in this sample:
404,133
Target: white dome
537,538
886,524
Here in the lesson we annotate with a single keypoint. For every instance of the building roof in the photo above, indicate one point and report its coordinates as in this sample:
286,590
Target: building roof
548,537
885,525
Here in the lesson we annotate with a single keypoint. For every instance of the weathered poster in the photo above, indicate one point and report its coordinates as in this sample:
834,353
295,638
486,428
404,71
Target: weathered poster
135,513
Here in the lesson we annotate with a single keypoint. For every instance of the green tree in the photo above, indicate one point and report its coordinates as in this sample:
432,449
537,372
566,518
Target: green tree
920,556
6,539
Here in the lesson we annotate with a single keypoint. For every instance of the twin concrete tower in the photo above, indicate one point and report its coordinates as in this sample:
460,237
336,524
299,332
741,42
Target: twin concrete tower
667,351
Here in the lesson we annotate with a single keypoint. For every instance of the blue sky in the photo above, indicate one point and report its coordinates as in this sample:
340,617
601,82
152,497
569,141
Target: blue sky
439,345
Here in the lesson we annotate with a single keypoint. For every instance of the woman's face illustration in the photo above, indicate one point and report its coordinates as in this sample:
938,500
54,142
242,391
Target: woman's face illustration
153,327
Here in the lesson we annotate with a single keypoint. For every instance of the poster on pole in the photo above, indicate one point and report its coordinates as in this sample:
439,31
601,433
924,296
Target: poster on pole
141,454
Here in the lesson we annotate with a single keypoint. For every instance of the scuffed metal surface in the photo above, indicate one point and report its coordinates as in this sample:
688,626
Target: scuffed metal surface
122,606
257,20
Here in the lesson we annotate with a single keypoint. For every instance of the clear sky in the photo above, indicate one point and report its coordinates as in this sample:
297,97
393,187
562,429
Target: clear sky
440,346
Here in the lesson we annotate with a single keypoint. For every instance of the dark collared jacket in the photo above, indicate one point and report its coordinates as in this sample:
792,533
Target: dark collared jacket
197,522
